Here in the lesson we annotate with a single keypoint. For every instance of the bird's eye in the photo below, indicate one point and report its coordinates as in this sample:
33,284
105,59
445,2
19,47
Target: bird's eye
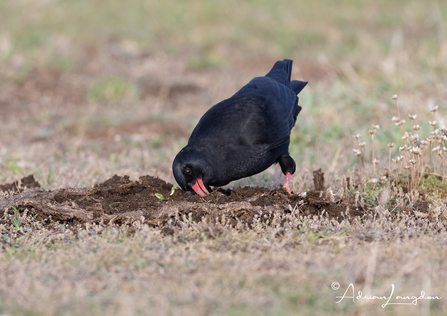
187,171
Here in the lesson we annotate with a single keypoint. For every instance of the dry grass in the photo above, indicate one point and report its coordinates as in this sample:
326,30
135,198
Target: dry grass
64,119
215,269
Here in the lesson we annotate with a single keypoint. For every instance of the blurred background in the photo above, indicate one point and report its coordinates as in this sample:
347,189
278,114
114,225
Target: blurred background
89,89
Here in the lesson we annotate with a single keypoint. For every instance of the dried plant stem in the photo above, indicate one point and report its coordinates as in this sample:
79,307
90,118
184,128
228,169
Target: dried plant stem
396,176
360,166
363,155
408,179
412,172
430,159
389,163
361,163
401,166
398,112
443,168
406,158
373,154
398,115
422,167
441,163
423,161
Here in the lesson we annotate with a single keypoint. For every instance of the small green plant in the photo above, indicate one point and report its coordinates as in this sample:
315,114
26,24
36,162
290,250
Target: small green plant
161,197
112,90
15,169
16,221
51,177
204,62
175,187
64,63
210,208
433,185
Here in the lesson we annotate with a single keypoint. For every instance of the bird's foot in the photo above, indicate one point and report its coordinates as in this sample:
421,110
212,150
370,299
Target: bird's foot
287,183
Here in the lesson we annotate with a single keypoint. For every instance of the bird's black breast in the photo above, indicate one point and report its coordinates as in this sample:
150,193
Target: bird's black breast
242,136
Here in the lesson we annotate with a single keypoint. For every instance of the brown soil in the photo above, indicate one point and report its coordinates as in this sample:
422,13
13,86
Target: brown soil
20,185
122,201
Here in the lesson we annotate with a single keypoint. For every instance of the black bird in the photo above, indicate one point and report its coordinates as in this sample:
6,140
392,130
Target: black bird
243,135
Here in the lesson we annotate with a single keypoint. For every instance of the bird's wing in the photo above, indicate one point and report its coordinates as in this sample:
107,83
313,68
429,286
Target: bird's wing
281,101
240,118
238,135
245,121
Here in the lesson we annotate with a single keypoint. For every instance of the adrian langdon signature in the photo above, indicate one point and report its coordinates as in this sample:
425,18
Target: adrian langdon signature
390,300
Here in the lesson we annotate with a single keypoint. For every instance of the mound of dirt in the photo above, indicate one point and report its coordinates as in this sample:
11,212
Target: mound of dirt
20,185
120,200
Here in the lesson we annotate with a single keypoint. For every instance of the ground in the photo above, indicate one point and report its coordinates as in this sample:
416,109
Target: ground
96,99
155,202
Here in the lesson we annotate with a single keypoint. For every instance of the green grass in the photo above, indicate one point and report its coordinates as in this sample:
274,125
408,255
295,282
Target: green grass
112,90
205,61
365,35
291,28
433,186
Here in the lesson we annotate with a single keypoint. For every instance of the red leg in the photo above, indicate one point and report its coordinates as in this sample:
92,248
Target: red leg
287,182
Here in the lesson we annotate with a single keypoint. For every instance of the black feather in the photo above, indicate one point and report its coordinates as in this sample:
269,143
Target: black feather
245,134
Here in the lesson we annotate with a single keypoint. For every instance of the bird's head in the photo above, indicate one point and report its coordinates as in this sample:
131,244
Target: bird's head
192,171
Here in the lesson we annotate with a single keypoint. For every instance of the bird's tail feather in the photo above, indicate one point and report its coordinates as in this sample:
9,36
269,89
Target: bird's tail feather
281,71
297,85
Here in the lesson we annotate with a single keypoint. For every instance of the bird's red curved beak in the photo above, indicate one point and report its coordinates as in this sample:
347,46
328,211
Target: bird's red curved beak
200,188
